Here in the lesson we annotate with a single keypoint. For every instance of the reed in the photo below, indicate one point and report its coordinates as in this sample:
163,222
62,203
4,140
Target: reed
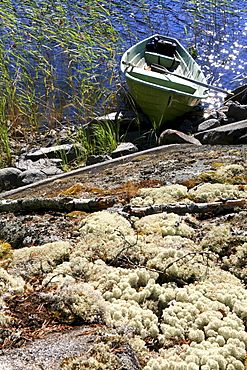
58,63
59,60
52,56
5,152
99,138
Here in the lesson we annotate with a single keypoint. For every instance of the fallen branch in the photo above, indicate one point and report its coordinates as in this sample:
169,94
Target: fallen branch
183,208
65,204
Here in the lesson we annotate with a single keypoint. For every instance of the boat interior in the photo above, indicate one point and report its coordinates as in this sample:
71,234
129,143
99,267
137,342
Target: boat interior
157,69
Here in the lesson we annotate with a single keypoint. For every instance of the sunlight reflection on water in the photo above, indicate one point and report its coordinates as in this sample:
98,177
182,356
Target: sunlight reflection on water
215,31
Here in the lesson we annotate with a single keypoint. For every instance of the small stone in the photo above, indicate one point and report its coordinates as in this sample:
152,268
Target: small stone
124,149
30,176
176,137
93,159
65,151
9,178
41,164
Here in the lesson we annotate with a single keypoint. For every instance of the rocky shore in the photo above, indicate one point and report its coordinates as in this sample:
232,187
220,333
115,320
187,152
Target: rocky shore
101,289
133,261
225,126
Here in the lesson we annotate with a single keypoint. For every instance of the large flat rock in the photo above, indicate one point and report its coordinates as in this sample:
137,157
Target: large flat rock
233,133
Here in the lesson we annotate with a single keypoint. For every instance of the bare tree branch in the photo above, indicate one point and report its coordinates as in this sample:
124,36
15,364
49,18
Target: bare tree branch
183,208
63,204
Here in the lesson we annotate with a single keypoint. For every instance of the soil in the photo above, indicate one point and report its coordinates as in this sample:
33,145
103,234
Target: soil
45,343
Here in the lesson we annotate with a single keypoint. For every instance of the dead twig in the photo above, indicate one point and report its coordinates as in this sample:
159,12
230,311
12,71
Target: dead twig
193,254
64,274
129,245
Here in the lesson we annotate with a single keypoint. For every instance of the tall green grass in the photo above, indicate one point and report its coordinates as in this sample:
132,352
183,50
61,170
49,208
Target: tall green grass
52,56
58,62
5,151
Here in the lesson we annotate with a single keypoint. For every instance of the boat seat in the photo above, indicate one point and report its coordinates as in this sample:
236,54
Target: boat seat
164,82
170,63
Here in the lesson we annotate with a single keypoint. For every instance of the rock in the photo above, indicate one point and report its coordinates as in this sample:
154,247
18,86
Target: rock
30,176
41,164
114,116
51,171
9,178
93,159
124,149
189,127
234,133
238,94
238,111
26,173
132,121
143,139
113,119
208,124
33,175
173,137
65,151
219,115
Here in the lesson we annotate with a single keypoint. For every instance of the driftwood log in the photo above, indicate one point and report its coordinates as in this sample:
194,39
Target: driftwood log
183,208
68,204
65,204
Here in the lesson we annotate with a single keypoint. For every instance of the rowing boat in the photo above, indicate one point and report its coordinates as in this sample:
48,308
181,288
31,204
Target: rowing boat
163,79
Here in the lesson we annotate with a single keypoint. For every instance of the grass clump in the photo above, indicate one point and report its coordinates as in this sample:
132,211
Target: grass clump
99,138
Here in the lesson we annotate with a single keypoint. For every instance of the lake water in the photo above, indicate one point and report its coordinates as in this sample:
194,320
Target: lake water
215,31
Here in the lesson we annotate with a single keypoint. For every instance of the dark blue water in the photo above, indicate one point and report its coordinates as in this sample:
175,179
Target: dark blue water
214,31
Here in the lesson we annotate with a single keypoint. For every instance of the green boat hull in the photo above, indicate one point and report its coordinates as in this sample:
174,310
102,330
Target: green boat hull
163,96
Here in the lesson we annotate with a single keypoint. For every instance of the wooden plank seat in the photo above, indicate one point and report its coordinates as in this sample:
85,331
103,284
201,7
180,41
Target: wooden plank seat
162,80
171,63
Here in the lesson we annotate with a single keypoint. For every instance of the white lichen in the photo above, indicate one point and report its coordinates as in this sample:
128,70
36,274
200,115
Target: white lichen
212,192
230,170
30,261
164,194
126,275
10,283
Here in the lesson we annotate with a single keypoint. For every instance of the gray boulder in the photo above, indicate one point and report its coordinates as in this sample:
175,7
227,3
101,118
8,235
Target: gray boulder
238,94
30,176
65,151
176,137
124,149
93,159
234,133
208,124
9,178
41,164
238,111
